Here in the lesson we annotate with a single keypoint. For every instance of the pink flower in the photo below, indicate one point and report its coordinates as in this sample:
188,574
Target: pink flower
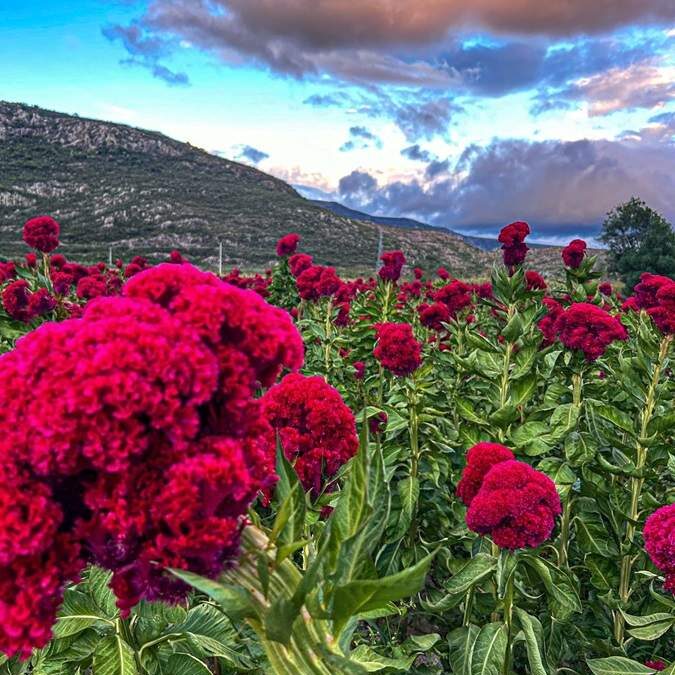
288,244
41,233
397,349
573,254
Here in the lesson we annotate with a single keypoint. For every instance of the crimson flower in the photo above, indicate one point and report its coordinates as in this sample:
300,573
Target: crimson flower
41,233
512,238
316,428
456,296
534,281
516,505
605,288
589,329
7,271
299,262
479,460
318,281
659,537
397,349
288,244
393,262
16,301
573,254
434,316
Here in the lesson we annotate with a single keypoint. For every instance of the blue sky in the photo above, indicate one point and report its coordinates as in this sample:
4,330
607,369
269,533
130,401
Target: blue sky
551,112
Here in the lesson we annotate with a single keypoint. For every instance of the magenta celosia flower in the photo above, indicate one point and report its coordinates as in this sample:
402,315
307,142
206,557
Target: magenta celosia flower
589,329
378,423
605,288
479,460
31,260
139,447
316,428
93,286
299,262
359,370
516,505
573,254
443,273
16,301
392,264
456,296
434,316
512,238
318,281
288,244
41,233
397,349
534,281
659,537
657,665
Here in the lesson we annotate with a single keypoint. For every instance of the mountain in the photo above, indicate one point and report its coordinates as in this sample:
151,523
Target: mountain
483,243
139,192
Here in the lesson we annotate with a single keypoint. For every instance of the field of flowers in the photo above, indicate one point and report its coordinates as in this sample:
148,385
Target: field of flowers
294,473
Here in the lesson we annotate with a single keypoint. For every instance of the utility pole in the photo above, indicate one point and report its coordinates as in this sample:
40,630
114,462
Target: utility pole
109,256
379,251
220,259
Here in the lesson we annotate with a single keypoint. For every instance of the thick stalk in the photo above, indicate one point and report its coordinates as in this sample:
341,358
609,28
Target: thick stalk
563,541
413,432
328,331
508,620
636,484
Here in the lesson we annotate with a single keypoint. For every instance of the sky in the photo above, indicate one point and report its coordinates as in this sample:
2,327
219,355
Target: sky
461,114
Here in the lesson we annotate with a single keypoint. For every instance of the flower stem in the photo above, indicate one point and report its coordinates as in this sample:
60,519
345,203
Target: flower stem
508,617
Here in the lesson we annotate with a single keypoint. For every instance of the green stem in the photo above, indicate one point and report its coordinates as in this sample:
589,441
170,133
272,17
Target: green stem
636,484
508,618
413,431
328,326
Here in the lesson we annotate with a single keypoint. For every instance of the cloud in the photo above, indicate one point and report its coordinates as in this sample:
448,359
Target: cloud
561,188
361,138
145,51
416,154
641,85
252,154
436,168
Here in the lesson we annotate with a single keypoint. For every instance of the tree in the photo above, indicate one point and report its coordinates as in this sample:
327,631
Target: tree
639,240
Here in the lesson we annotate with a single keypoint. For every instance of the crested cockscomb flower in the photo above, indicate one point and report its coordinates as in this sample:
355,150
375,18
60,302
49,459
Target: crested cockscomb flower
392,264
31,260
288,244
378,423
605,288
141,445
515,505
479,460
16,301
316,428
92,286
659,537
299,262
573,254
588,329
656,664
512,238
359,370
41,233
443,273
7,271
456,296
534,281
397,349
434,316
317,281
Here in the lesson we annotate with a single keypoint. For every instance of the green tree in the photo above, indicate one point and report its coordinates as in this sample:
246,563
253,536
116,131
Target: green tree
639,240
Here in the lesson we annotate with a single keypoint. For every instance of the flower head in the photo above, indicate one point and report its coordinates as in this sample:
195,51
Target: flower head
479,460
516,505
573,254
512,238
41,233
659,537
534,281
288,244
397,349
299,263
392,264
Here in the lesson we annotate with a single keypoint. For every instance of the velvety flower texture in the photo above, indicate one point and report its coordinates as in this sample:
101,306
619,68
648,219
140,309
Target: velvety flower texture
512,238
299,262
656,295
479,460
516,505
659,536
434,316
316,428
317,281
392,264
589,329
397,349
139,447
456,296
573,254
7,271
534,281
41,233
288,244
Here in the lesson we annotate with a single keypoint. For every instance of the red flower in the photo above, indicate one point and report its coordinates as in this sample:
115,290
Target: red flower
512,238
299,262
659,536
397,349
378,423
605,288
57,261
176,258
648,287
534,281
16,301
657,665
318,281
516,505
316,428
393,262
41,233
7,271
589,329
41,302
139,439
479,460
31,260
91,287
573,254
443,273
434,316
418,272
456,296
359,370
288,244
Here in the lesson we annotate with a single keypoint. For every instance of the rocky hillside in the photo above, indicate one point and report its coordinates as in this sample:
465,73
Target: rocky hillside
143,193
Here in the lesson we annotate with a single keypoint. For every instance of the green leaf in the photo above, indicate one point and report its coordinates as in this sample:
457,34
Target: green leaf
533,632
615,416
478,568
372,662
186,664
78,612
460,643
650,627
409,492
618,665
356,597
113,656
489,650
523,390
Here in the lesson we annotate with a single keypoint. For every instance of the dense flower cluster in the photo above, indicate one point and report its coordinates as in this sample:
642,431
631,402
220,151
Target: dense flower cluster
512,238
397,349
7,271
317,430
139,447
659,536
589,329
547,324
479,460
22,304
299,262
42,233
534,281
288,244
456,296
656,295
392,264
573,254
516,505
318,281
434,316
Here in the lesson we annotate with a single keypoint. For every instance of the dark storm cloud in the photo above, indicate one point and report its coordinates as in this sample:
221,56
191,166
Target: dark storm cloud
557,186
252,154
145,51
